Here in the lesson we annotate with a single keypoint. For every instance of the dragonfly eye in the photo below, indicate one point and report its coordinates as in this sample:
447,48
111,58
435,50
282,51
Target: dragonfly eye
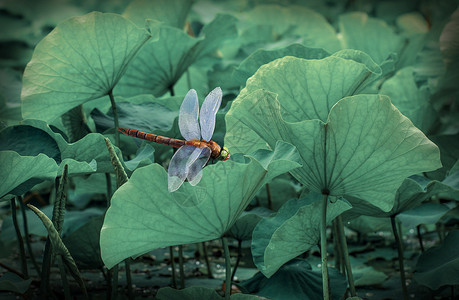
224,154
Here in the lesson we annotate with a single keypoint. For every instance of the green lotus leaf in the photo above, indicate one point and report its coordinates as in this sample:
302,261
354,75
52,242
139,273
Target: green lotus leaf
412,101
13,283
410,194
170,12
414,29
243,227
297,21
161,63
291,232
145,117
144,216
428,213
307,90
439,266
197,292
251,64
365,150
295,280
82,59
27,171
379,40
83,244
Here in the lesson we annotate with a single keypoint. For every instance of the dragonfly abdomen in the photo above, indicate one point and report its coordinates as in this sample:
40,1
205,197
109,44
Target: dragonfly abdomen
176,143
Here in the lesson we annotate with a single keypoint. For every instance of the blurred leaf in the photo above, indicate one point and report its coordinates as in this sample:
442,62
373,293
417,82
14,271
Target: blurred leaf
367,224
13,283
197,292
170,12
83,244
368,276
291,232
144,216
144,156
412,101
146,117
75,123
82,59
19,173
251,64
410,194
428,213
29,141
243,227
439,266
365,150
295,280
449,154
161,63
295,20
370,35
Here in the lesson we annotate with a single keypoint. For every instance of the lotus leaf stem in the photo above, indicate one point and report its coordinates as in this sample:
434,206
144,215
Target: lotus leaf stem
345,251
115,118
323,248
228,269
20,240
398,241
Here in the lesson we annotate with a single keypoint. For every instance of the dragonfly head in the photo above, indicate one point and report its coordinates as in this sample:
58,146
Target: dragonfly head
224,154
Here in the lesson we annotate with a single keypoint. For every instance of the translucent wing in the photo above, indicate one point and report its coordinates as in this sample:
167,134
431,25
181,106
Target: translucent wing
195,169
208,111
180,165
188,117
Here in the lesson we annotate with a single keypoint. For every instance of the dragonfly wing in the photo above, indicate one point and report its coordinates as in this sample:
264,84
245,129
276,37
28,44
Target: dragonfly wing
195,169
180,165
188,117
208,112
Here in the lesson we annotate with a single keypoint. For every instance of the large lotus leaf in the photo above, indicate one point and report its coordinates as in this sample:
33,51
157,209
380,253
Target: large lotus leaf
291,232
307,90
439,266
144,216
370,35
146,117
295,280
411,100
170,12
428,213
299,21
20,173
161,63
251,64
410,194
197,292
82,59
365,150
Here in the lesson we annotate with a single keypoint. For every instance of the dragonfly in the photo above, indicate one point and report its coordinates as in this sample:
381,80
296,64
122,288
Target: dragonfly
195,151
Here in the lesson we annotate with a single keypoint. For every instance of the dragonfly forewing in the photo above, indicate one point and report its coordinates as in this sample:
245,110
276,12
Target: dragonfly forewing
208,113
188,116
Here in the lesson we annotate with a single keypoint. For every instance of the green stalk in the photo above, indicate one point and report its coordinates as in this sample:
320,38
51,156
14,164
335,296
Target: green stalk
400,257
115,118
114,282
206,258
323,248
268,194
65,284
228,269
127,264
345,251
25,272
26,235
337,248
174,277
418,230
239,254
181,268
